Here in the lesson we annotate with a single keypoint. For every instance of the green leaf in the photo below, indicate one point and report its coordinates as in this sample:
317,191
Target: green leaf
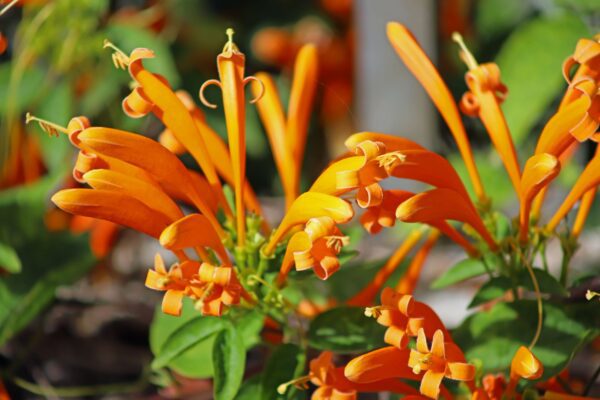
9,259
196,362
491,290
286,363
532,70
229,360
494,17
494,336
185,337
27,89
48,260
250,389
461,271
128,37
547,283
345,330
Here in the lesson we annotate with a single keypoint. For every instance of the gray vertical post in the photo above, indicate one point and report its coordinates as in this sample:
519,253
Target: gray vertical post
388,98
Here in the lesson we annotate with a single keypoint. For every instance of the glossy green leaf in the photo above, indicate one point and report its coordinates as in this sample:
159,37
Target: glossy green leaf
27,89
185,337
461,271
345,330
532,70
548,283
493,336
491,290
9,259
287,362
229,361
195,362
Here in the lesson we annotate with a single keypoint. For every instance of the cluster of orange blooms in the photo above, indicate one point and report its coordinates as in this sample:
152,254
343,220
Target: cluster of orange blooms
137,182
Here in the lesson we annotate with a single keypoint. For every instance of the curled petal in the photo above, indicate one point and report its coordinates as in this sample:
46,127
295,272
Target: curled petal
420,65
339,177
221,276
137,105
112,206
461,371
172,302
391,142
145,191
307,206
442,204
430,384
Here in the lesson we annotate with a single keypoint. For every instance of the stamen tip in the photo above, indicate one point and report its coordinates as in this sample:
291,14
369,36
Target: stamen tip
28,117
281,389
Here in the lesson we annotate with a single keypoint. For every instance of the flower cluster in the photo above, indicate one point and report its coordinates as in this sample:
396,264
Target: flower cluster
141,183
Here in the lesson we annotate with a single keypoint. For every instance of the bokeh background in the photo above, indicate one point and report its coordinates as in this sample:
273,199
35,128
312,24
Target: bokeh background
73,308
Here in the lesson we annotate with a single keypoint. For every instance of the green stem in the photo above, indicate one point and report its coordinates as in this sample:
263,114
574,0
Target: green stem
82,391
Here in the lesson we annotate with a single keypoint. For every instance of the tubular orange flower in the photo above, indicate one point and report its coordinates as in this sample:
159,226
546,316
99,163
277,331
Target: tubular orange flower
309,205
391,142
589,179
333,385
586,54
437,364
539,171
420,65
396,312
231,64
367,294
193,230
385,363
113,206
442,204
486,94
384,215
154,95
408,282
149,155
316,247
585,205
524,365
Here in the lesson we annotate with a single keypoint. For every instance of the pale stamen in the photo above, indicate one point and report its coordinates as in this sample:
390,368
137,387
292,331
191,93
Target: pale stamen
8,7
390,160
50,128
300,383
465,54
120,59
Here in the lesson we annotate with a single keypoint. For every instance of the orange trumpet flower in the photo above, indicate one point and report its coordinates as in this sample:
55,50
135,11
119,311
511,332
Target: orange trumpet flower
420,65
539,171
316,247
486,93
333,385
288,135
231,64
438,362
442,204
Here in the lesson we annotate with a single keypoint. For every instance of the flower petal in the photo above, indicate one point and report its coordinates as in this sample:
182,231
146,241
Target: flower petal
377,365
339,177
420,65
112,206
525,365
588,179
391,142
145,191
172,302
430,384
442,204
193,230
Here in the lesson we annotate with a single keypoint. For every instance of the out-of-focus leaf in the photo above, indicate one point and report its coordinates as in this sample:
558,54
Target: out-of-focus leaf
9,259
345,330
587,6
491,290
129,37
57,107
48,260
250,389
286,363
105,88
229,360
547,283
27,90
461,271
196,362
532,70
494,336
185,337
494,17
